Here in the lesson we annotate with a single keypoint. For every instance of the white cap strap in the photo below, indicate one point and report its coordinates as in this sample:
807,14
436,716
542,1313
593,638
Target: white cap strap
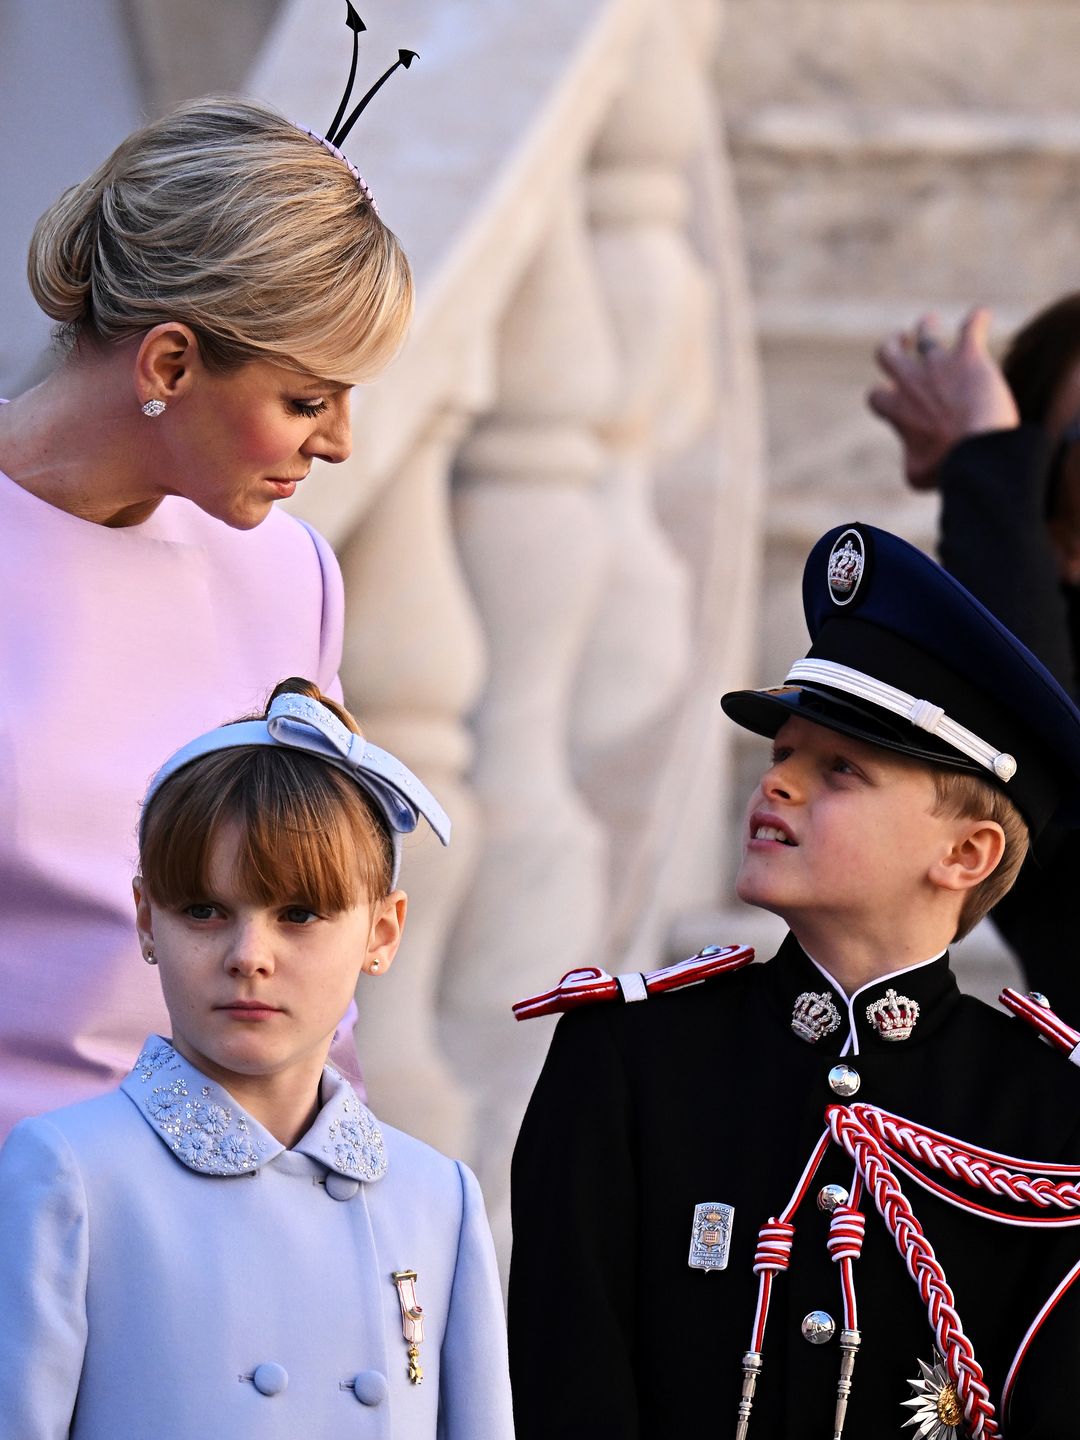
921,713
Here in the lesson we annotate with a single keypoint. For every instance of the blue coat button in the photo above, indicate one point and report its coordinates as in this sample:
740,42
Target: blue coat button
340,1187
270,1379
370,1387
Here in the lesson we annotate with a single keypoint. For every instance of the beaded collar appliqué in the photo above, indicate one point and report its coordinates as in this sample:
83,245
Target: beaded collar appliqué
354,1142
210,1133
204,1133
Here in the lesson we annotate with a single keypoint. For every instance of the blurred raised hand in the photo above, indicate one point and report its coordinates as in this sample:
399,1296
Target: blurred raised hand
938,392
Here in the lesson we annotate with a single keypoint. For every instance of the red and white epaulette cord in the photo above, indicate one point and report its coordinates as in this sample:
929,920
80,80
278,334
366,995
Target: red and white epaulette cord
877,1141
881,1143
1036,1011
590,984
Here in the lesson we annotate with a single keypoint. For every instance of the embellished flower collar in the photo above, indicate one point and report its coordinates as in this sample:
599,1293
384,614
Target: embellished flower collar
209,1132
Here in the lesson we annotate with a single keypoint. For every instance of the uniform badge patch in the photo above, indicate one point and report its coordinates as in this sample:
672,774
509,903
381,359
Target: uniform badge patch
847,564
710,1239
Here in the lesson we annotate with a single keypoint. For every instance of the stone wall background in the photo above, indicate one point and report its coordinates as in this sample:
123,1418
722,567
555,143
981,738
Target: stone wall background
891,157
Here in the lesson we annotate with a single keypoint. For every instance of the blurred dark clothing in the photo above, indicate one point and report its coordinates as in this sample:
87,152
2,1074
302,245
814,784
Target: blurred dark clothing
994,540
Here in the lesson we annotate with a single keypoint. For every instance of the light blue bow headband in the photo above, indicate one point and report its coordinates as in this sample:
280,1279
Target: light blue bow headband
299,723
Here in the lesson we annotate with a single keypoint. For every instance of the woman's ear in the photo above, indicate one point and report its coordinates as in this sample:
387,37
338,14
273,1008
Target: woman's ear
165,362
974,855
384,936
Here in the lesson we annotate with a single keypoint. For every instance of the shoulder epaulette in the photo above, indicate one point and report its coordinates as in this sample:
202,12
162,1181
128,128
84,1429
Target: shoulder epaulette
1035,1009
591,984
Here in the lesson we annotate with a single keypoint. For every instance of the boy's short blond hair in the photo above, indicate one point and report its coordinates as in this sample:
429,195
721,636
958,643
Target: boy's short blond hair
968,797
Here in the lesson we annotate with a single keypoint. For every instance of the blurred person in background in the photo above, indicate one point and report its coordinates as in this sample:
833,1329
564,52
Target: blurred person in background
1000,443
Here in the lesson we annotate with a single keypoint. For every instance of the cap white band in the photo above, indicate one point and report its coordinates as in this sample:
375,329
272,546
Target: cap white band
921,713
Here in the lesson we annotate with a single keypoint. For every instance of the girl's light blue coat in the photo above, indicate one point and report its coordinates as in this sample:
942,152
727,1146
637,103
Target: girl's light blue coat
169,1270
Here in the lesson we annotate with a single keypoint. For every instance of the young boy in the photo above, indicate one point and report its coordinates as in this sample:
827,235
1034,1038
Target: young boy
914,751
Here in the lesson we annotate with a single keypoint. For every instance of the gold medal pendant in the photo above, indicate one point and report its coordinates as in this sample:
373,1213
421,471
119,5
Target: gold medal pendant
412,1321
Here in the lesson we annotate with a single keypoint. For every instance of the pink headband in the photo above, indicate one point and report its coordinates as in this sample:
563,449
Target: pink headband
362,184
342,124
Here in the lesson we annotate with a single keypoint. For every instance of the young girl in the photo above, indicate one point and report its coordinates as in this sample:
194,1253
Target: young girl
230,1244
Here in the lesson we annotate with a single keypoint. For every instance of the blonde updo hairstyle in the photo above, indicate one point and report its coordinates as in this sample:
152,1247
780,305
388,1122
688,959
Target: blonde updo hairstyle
226,217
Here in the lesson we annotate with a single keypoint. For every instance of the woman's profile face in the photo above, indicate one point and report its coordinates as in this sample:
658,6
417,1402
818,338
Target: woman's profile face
241,439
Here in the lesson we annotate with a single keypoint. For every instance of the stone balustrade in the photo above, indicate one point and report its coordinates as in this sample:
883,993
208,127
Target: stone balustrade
549,526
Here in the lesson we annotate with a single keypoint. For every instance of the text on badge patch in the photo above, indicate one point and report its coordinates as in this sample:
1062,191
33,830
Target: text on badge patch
710,1239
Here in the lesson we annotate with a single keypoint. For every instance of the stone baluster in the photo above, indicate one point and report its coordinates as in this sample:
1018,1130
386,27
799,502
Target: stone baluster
534,540
634,683
413,667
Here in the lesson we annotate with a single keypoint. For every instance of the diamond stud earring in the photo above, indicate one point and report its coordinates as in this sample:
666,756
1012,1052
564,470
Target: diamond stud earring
153,408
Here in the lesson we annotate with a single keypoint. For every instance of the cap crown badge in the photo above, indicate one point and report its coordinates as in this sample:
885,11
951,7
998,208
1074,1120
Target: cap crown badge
814,1017
847,563
893,1016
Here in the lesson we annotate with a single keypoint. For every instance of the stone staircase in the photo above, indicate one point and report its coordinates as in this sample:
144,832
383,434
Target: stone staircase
891,156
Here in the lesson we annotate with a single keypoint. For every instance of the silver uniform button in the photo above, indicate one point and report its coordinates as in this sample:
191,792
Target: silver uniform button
831,1197
818,1327
844,1081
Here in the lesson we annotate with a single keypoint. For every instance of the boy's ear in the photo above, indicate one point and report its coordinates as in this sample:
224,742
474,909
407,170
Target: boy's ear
974,855
384,937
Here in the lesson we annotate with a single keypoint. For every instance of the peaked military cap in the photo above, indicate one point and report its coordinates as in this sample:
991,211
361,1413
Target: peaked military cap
904,657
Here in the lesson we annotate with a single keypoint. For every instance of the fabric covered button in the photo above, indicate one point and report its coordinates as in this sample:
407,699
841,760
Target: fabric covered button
340,1187
844,1081
370,1387
270,1379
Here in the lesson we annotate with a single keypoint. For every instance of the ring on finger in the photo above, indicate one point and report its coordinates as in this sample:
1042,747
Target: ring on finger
925,344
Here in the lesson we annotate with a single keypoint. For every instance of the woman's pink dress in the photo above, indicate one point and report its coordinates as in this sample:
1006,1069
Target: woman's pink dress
116,647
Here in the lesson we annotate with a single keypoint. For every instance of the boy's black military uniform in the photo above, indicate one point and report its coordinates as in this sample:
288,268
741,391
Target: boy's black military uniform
646,1111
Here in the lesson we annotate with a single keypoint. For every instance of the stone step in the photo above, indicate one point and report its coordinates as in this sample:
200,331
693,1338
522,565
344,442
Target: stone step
956,54
862,323
879,205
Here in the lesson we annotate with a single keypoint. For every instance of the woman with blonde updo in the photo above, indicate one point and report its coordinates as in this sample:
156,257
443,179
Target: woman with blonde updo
219,283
